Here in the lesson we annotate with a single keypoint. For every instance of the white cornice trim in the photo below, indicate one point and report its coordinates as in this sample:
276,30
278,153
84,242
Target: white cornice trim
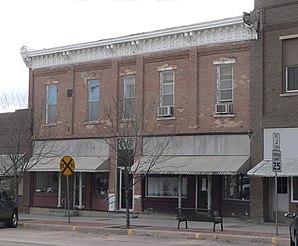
213,32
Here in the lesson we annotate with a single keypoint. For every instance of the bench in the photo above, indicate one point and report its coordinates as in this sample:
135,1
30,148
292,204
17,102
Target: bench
198,214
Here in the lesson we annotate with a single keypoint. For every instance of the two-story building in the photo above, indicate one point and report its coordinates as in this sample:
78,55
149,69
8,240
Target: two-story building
274,86
198,77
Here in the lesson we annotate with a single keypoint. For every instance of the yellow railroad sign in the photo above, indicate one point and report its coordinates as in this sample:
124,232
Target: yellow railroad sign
67,165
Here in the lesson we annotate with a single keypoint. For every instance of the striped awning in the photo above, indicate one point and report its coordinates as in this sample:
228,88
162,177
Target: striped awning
289,168
82,164
204,165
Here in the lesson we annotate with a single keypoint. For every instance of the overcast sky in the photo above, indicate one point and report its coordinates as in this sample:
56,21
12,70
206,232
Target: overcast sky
42,24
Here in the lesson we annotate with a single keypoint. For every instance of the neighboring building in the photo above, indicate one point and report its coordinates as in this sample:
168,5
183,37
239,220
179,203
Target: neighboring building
201,76
274,87
15,140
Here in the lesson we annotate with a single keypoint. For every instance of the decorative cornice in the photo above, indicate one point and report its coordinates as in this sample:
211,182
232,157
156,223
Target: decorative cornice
207,33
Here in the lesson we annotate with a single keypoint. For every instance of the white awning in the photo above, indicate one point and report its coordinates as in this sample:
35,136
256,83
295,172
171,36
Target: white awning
82,164
264,169
206,165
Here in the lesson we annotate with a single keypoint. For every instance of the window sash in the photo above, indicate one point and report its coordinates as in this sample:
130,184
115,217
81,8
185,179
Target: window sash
93,100
167,79
128,104
292,78
224,84
51,104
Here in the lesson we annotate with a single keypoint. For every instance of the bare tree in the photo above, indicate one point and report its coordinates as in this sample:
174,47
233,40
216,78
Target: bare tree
9,101
22,145
130,132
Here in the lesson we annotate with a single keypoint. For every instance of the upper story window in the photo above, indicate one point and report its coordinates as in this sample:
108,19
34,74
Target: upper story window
51,104
167,92
93,100
224,86
290,61
128,96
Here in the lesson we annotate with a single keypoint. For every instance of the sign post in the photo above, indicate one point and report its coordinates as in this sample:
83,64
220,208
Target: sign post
276,167
67,167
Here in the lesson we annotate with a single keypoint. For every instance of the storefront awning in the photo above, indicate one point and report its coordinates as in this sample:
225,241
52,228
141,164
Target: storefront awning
204,165
264,169
82,164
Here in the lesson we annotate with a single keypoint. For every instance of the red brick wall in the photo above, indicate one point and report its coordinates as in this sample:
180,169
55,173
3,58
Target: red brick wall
195,90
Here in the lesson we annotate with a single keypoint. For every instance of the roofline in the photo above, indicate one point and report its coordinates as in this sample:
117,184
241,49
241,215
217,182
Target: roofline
137,37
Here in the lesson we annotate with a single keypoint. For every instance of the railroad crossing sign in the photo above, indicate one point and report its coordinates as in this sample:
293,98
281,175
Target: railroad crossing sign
67,165
276,160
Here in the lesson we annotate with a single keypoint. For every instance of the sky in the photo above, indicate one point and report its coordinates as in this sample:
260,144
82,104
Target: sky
40,24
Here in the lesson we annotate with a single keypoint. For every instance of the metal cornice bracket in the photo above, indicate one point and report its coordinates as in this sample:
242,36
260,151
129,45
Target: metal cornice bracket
251,20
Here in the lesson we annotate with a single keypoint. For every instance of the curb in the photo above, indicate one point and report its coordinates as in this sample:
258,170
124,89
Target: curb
159,234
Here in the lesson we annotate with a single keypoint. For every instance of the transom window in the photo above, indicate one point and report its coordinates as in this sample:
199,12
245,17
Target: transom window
128,90
167,79
224,84
51,104
93,100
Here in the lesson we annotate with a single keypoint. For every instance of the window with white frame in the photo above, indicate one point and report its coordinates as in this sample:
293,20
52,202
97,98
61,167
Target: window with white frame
167,91
93,100
224,84
167,83
51,104
165,186
47,182
290,60
128,96
294,189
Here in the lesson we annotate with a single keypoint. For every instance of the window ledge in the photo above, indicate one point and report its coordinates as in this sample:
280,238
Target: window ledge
166,118
50,125
224,115
95,122
289,94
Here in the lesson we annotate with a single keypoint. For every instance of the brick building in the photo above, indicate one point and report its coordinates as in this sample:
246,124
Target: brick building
274,87
199,78
15,143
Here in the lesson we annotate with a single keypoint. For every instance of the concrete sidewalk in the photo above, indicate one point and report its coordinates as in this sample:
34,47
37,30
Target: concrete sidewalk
161,226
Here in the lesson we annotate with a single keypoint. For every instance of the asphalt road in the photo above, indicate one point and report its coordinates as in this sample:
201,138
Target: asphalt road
17,237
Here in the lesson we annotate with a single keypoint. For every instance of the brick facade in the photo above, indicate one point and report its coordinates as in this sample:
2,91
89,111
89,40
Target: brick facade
194,100
270,106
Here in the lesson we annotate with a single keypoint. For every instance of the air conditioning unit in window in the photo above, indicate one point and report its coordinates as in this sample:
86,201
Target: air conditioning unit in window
224,108
165,111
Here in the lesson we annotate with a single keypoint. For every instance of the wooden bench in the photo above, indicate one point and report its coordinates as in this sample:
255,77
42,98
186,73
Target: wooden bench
198,214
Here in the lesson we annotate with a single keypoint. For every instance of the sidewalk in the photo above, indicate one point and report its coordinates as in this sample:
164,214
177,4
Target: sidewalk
161,227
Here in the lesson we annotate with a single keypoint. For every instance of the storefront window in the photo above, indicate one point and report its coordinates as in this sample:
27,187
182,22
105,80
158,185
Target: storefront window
47,182
236,187
102,182
295,189
165,187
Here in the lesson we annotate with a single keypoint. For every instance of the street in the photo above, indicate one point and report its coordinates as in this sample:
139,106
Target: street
17,237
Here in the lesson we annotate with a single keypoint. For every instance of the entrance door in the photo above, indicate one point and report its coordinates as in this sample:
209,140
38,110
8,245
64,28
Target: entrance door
121,189
202,192
79,190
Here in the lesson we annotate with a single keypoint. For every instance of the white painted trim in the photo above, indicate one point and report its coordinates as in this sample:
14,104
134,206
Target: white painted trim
184,37
288,36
